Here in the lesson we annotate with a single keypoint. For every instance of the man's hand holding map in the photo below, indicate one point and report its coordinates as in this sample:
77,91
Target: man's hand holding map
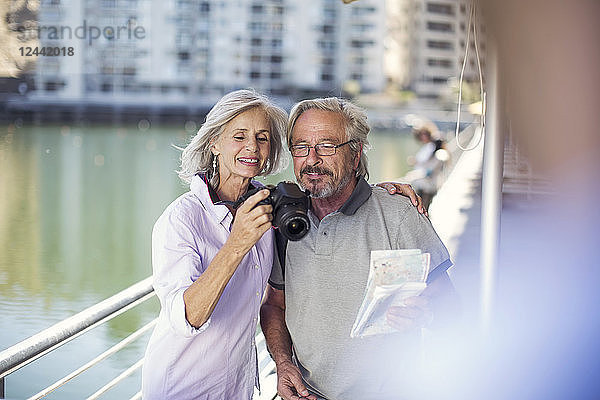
395,275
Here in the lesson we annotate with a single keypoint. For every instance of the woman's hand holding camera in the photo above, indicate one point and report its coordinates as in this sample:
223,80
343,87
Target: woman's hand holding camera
250,222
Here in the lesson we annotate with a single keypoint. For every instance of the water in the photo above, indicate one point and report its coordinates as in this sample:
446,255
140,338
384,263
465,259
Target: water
77,206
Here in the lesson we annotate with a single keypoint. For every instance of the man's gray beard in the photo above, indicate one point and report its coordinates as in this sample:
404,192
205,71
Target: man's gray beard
330,190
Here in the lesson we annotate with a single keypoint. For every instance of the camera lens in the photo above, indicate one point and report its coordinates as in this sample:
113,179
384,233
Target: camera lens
292,222
290,206
296,226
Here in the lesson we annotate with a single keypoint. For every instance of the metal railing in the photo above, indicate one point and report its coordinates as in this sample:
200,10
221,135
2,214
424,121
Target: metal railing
42,343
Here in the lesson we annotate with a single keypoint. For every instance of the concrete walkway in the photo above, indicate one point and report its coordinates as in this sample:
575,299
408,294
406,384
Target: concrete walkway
455,213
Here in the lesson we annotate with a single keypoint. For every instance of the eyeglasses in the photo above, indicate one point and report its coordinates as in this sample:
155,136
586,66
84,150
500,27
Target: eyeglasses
322,149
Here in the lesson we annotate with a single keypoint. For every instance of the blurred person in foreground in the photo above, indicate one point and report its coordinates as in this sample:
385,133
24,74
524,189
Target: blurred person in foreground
315,294
211,261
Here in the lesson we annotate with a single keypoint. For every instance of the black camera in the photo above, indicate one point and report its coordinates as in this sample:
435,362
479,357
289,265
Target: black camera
290,206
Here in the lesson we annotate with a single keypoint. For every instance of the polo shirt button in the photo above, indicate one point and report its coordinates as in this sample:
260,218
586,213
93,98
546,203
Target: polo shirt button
257,266
324,233
258,293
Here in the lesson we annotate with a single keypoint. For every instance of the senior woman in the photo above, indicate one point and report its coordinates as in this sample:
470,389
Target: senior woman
211,262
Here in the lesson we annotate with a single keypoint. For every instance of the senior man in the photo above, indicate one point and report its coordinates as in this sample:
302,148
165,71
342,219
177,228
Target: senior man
313,299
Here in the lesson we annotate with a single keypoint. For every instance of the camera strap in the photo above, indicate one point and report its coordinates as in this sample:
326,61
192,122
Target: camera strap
281,244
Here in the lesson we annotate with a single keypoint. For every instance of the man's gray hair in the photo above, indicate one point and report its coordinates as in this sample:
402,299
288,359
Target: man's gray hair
197,157
355,124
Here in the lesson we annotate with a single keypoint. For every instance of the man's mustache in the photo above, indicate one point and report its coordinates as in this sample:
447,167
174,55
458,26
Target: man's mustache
315,170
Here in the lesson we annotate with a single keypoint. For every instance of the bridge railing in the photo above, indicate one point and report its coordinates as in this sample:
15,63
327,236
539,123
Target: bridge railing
50,339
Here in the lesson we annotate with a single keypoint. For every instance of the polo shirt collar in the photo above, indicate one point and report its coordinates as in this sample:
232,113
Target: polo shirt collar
360,194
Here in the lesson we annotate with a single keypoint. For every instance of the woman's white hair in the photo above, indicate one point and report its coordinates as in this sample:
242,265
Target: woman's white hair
197,156
355,124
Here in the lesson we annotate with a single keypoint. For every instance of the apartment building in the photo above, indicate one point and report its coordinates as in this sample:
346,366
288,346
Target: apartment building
426,42
177,51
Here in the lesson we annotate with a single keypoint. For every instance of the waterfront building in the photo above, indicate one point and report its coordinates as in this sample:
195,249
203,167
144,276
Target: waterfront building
425,45
125,53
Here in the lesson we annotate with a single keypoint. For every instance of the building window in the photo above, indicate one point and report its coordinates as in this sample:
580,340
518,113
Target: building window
439,27
361,28
326,44
257,9
183,55
204,7
439,44
52,86
359,44
258,27
107,87
328,29
329,13
438,8
254,75
129,88
275,75
326,77
362,10
256,41
439,80
276,59
436,62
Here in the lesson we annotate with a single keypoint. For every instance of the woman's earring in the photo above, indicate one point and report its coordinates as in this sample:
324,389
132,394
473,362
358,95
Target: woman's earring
266,168
214,164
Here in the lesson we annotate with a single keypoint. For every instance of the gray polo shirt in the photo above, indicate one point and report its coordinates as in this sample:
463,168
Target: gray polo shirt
325,278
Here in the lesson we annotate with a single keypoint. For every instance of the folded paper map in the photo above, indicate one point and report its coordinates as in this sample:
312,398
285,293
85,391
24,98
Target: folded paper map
394,276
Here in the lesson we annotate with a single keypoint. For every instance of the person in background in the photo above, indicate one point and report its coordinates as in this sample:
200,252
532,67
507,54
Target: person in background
428,163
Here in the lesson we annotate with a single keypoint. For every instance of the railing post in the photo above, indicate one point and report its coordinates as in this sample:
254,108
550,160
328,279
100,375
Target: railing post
2,388
491,193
